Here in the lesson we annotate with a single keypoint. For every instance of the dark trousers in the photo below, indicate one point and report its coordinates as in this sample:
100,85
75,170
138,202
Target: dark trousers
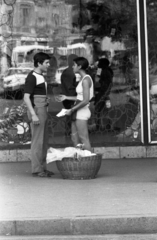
67,105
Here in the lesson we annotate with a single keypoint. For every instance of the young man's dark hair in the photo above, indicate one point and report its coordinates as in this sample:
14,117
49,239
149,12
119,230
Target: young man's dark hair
40,57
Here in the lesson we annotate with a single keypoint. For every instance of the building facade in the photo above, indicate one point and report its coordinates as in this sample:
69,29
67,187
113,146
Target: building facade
122,31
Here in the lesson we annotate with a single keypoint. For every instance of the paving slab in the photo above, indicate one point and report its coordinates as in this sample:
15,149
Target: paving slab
122,199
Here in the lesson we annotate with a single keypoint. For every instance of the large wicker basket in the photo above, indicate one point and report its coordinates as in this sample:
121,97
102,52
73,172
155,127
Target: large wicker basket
82,168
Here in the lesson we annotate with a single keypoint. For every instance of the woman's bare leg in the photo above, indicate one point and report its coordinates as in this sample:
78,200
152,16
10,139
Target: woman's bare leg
82,129
74,134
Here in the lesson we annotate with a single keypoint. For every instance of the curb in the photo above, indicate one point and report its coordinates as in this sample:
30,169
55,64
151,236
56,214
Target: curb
85,237
80,226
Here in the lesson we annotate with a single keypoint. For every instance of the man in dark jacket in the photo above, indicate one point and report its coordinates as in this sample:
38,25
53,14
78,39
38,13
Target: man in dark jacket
68,86
102,93
68,82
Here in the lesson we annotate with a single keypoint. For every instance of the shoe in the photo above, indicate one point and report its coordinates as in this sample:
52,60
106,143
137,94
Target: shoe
49,172
41,174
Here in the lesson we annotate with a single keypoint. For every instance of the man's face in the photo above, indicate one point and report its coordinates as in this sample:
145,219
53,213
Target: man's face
44,66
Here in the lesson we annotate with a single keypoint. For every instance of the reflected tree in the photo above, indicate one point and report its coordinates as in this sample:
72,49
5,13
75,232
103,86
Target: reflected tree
108,18
152,31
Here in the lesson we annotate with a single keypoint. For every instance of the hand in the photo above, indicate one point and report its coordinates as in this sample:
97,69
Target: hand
48,100
60,98
68,112
97,78
35,120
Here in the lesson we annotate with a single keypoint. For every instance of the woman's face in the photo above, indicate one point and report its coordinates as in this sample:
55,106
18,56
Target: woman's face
76,68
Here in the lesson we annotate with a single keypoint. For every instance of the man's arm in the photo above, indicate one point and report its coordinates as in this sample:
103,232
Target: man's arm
30,108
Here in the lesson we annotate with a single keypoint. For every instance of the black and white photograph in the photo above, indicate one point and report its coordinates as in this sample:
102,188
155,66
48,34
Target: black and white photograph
78,120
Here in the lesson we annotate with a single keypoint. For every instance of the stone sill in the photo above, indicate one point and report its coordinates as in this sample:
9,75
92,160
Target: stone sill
23,155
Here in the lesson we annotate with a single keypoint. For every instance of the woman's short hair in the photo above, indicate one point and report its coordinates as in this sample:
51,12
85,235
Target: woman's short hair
40,57
83,62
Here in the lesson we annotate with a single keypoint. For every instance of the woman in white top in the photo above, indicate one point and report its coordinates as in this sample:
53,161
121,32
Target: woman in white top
85,93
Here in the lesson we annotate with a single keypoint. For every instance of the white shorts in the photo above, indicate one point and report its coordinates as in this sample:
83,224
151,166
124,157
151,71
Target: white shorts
83,113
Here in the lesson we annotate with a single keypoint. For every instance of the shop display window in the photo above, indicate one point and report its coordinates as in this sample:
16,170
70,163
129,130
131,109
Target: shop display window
104,32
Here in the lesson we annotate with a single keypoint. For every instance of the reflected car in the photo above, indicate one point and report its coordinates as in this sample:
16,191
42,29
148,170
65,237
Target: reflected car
59,73
15,78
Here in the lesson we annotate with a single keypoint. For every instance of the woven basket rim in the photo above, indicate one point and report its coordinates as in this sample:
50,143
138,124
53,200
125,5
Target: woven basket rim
92,156
86,157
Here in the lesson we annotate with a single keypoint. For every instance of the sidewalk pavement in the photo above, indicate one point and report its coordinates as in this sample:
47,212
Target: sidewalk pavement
122,199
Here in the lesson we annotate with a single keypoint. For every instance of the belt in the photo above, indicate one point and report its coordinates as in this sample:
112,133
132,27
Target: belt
41,101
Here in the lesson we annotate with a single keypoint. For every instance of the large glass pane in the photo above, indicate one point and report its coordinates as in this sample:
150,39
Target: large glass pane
105,32
152,50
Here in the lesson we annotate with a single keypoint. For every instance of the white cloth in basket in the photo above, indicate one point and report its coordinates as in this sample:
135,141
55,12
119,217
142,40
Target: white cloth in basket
58,154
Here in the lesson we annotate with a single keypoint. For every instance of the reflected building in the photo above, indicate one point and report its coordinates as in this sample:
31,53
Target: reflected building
31,22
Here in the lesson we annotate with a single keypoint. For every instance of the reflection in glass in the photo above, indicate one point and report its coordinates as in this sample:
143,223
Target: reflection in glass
97,30
152,49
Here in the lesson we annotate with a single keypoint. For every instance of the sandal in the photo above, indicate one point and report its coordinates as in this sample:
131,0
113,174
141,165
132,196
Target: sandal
41,174
49,172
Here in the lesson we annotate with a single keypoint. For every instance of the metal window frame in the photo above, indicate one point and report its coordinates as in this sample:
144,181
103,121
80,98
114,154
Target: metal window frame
143,72
148,78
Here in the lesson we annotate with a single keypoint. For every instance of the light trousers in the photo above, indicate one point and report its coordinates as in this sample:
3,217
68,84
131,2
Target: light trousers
39,141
